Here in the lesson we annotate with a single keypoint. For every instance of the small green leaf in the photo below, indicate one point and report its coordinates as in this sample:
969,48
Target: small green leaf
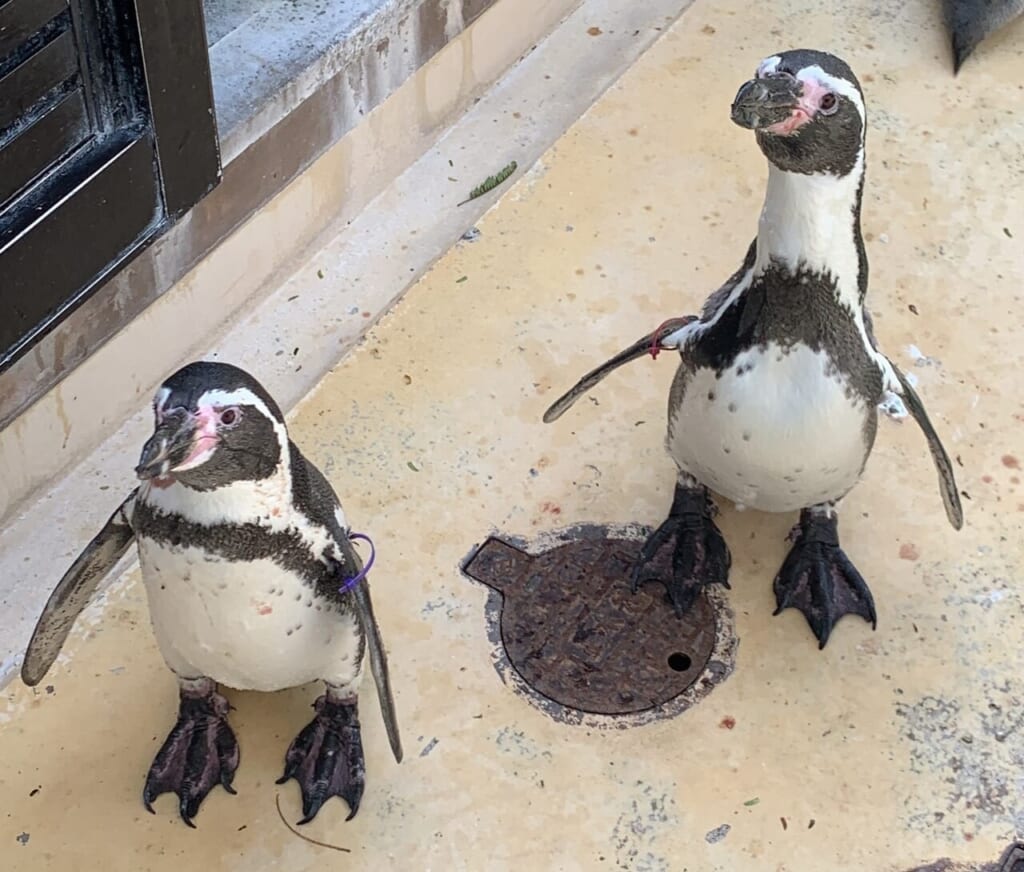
319,273
491,182
460,281
412,466
753,801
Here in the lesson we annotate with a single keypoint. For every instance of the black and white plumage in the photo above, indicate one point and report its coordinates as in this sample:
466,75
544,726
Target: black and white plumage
244,550
971,22
774,404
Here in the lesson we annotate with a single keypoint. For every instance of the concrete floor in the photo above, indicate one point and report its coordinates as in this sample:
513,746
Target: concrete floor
887,750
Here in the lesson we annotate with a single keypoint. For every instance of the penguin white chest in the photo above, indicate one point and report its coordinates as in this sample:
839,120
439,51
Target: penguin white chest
777,431
251,625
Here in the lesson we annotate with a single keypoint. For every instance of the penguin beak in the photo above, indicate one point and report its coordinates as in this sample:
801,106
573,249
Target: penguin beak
762,103
168,447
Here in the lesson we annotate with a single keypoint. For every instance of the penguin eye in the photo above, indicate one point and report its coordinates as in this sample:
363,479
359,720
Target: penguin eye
229,417
829,103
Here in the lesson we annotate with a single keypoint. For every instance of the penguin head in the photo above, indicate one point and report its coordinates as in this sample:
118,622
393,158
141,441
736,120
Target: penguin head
807,109
214,424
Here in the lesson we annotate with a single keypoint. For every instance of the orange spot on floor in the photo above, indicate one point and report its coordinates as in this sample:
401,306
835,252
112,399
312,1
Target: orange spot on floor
908,551
1011,462
551,509
264,609
727,723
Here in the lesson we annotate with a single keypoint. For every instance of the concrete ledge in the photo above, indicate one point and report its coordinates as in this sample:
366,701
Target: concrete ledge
267,57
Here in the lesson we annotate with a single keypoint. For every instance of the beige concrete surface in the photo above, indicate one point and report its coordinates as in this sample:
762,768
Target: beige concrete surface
889,749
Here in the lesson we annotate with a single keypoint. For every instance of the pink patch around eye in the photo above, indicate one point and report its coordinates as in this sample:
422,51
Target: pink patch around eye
807,108
202,445
205,438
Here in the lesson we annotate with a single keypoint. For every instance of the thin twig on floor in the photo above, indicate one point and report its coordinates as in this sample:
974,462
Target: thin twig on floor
280,814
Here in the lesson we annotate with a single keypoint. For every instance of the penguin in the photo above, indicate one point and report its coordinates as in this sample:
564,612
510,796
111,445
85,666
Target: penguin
774,405
252,583
970,22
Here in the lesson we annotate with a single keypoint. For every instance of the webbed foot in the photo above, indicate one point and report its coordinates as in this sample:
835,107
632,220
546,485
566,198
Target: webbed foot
818,578
700,557
199,753
326,758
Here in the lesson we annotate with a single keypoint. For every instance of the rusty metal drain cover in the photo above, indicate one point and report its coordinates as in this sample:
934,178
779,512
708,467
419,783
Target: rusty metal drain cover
1011,861
576,634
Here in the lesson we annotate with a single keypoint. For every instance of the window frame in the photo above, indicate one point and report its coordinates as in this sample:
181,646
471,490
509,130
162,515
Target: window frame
89,216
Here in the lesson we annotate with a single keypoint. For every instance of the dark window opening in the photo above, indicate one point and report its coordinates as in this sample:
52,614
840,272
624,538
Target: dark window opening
107,135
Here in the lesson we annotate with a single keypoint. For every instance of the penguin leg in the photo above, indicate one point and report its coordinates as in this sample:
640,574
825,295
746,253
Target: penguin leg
326,758
701,556
199,753
818,578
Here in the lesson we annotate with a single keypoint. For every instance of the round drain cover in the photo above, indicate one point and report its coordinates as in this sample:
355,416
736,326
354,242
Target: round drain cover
576,633
1011,861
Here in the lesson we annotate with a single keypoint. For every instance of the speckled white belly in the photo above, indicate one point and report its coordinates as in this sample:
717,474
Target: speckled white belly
776,437
250,626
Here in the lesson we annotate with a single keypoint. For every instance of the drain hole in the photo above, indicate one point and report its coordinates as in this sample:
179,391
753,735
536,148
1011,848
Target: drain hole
679,662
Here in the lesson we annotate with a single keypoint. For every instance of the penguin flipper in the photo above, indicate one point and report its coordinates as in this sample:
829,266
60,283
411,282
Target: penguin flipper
319,502
378,666
971,22
74,591
947,481
649,344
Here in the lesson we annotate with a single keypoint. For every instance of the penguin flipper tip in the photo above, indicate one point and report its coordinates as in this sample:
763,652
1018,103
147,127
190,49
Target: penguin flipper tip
962,50
30,677
955,513
558,408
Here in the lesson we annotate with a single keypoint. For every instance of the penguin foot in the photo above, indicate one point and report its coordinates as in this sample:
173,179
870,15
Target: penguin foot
326,758
701,556
818,578
199,753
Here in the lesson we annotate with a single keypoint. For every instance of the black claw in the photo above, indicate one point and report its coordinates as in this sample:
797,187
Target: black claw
701,556
326,758
199,753
818,579
187,809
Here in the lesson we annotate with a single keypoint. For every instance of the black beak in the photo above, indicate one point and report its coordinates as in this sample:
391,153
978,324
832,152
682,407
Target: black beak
169,445
764,102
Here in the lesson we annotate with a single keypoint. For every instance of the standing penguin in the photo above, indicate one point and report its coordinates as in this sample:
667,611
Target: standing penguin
252,582
774,404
